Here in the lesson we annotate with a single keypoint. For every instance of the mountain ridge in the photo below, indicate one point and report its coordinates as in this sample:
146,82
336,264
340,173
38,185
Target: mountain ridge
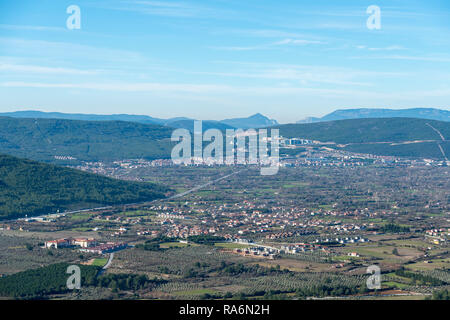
365,113
254,121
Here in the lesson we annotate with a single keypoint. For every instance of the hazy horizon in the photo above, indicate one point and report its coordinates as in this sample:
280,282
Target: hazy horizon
218,119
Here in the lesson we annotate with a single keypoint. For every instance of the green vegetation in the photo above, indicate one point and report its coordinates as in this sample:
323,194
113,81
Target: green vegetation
325,291
43,139
170,245
99,262
364,135
52,279
441,295
32,188
118,282
291,152
43,281
367,130
419,278
393,228
231,245
150,247
155,244
419,149
255,270
205,239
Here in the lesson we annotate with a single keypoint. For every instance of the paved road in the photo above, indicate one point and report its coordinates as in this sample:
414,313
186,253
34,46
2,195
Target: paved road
111,257
437,131
107,265
202,186
55,215
443,139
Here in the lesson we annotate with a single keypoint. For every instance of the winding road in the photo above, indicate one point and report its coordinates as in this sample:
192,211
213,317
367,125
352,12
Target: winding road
202,186
179,195
111,257
442,138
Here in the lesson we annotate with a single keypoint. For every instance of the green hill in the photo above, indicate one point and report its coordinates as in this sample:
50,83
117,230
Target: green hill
368,130
360,113
43,139
386,136
46,139
32,188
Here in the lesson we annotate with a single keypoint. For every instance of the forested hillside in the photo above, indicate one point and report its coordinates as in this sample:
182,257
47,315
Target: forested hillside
368,130
32,188
43,139
51,140
403,137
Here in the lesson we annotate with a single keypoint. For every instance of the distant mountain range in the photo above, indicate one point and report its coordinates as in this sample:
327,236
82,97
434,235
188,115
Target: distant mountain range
420,113
254,121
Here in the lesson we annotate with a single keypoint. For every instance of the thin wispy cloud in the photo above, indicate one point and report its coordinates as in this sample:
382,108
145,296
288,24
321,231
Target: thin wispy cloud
31,28
296,41
272,45
405,58
125,87
264,33
171,9
360,11
165,88
59,49
15,68
303,75
388,48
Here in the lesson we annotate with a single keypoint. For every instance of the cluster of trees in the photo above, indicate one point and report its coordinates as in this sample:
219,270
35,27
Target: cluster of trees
394,228
205,239
201,270
441,295
255,270
42,139
154,244
419,278
52,279
302,293
118,282
327,291
150,247
43,281
29,187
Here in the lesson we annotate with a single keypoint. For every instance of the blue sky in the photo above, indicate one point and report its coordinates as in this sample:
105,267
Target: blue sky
223,58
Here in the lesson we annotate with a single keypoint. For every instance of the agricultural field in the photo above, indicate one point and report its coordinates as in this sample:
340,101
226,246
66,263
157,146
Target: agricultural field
19,254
